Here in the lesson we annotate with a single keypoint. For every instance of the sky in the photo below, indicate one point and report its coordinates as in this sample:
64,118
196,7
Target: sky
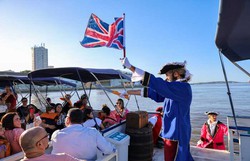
156,32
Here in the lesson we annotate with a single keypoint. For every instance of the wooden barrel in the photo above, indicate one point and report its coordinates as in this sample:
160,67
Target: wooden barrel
141,144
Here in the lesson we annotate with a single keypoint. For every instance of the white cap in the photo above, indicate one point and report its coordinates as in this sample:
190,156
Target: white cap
212,112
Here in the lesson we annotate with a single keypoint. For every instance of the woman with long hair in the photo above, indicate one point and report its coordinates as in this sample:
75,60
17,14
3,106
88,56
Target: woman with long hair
12,124
61,116
120,112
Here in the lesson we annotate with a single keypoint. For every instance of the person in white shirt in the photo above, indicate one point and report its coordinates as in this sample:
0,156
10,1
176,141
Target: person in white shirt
88,119
78,141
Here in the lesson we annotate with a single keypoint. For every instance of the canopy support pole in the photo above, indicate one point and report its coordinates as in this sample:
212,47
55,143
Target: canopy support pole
243,70
96,125
137,104
228,90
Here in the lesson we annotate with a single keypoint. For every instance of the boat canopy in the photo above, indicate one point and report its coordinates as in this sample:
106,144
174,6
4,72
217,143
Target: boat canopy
233,31
80,74
51,81
10,79
233,37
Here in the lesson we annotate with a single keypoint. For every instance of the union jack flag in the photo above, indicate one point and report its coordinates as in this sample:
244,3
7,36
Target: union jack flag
99,33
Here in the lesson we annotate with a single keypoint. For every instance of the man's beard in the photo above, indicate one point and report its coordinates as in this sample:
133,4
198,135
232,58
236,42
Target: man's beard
172,79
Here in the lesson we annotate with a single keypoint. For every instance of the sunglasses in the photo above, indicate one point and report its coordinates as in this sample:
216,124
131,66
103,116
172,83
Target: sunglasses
46,136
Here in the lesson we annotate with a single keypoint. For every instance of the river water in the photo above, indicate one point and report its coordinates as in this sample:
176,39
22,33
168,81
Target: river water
205,97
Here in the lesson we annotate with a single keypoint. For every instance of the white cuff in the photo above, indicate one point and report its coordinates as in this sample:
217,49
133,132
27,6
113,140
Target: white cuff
153,120
137,75
142,92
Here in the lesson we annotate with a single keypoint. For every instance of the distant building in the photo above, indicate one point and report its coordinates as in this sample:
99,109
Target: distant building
39,57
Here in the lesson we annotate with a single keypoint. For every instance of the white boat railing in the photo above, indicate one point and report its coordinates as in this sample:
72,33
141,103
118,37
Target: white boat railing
244,142
239,142
101,157
14,157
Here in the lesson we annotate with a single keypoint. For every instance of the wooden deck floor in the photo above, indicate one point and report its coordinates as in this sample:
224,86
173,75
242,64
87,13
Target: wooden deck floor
199,154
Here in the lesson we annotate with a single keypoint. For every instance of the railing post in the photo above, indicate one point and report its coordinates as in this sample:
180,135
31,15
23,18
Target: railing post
230,140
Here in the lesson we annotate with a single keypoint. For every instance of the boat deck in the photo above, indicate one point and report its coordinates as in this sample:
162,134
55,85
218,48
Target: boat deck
199,154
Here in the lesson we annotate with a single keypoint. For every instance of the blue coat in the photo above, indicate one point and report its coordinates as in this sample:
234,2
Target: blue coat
177,97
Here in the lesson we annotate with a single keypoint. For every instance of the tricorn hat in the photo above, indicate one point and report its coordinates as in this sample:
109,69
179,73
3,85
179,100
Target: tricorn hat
212,112
171,66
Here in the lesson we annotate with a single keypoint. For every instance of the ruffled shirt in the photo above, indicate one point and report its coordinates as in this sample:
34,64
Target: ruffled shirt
212,126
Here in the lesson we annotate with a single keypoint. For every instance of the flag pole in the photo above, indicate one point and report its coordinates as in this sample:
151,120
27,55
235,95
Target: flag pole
124,46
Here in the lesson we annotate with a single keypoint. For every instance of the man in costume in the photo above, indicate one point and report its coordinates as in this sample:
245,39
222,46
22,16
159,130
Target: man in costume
212,132
176,94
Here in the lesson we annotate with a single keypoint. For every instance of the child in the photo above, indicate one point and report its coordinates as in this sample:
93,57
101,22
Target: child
156,122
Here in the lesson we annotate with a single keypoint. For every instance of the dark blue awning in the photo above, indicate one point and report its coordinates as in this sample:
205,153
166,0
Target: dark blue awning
80,74
233,31
10,79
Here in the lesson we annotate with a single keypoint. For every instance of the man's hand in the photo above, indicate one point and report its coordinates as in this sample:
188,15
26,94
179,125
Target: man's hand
37,121
199,142
124,94
125,62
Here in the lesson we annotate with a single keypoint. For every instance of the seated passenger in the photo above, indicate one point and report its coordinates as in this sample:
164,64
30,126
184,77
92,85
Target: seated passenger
212,132
88,119
83,102
34,142
49,119
78,141
120,112
33,112
61,116
4,144
12,124
67,104
23,111
79,105
10,99
3,108
37,111
49,102
107,120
